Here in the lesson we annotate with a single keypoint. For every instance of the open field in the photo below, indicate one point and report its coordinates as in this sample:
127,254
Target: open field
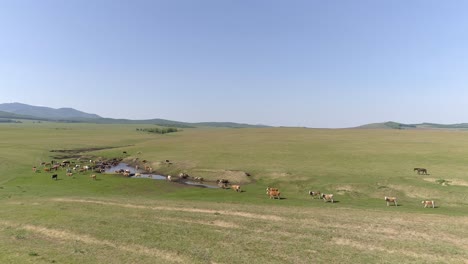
120,220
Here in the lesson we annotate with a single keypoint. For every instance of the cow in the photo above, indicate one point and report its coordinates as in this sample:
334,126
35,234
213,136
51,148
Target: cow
237,188
268,189
69,174
428,203
391,200
47,169
314,194
327,197
34,169
274,194
54,177
183,175
93,176
169,177
137,174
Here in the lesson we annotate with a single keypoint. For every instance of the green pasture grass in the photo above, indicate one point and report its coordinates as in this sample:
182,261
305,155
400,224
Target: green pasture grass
120,220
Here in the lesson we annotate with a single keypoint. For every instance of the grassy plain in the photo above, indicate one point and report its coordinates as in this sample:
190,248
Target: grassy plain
122,220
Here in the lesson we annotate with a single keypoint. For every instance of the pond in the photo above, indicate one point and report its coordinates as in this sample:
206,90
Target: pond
132,170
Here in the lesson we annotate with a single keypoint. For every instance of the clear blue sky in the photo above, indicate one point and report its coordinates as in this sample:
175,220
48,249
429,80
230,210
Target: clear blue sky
314,63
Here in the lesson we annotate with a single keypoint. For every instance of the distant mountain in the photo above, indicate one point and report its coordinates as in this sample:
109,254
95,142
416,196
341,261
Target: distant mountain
23,111
45,112
396,125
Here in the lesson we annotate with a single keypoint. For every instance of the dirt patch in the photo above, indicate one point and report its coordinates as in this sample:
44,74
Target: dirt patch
75,153
234,176
448,182
193,210
217,223
279,175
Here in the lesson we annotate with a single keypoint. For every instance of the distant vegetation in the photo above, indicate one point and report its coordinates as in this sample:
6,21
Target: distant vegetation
159,130
2,120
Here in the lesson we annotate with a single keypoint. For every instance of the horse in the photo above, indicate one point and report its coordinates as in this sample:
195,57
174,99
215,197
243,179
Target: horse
420,170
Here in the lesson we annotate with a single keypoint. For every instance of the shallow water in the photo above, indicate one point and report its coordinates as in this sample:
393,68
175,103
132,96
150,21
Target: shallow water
155,176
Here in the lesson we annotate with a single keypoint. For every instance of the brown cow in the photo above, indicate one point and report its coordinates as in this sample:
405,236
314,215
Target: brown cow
314,194
237,188
428,203
327,197
93,176
274,194
391,200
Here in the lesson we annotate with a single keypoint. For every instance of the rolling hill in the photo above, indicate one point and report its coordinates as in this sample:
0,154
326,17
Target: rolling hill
30,112
45,112
396,125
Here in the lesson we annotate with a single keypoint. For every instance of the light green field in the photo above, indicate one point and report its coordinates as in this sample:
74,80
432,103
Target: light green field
120,220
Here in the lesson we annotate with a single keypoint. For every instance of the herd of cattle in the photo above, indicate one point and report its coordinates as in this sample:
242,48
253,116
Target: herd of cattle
273,193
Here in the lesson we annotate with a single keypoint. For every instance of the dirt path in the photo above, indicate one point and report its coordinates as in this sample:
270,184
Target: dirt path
166,208
69,236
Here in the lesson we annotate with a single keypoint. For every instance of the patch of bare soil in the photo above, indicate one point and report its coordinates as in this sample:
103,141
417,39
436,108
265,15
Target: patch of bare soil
75,153
193,210
216,223
233,176
457,182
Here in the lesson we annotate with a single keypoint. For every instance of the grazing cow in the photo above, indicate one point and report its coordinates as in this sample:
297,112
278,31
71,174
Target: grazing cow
327,197
237,188
314,194
183,175
274,194
47,169
420,170
428,203
198,179
69,174
34,169
137,174
169,177
391,200
54,177
93,176
268,189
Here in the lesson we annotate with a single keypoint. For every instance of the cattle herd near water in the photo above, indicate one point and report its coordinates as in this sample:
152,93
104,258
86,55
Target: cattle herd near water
82,166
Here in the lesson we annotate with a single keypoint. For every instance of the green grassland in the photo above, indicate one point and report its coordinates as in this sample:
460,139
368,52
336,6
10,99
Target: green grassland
121,220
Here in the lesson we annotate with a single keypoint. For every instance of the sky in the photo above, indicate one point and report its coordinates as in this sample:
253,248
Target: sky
313,63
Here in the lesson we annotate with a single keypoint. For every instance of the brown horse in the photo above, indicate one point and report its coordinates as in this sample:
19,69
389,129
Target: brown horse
420,170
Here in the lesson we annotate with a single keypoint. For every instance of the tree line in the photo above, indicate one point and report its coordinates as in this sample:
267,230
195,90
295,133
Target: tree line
159,130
